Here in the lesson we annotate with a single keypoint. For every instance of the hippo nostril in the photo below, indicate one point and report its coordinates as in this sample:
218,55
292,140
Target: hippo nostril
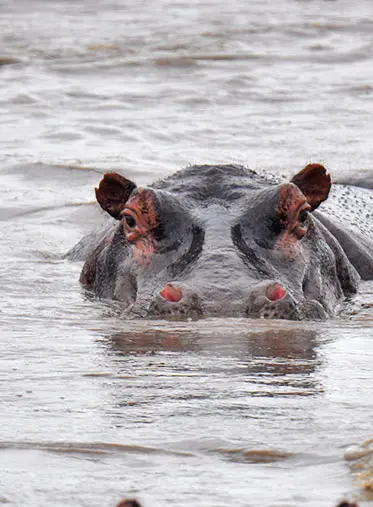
275,292
171,293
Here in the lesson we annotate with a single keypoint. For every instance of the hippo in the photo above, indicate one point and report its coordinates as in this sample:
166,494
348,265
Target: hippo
132,502
223,240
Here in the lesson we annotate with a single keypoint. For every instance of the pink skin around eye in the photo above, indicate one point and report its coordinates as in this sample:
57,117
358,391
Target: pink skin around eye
143,250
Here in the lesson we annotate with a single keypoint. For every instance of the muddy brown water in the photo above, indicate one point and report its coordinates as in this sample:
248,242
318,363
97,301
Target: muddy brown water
211,412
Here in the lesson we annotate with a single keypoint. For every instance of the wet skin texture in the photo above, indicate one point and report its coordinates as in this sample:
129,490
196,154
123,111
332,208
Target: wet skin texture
222,240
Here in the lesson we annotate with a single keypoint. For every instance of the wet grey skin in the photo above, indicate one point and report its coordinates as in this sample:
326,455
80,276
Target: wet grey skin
221,240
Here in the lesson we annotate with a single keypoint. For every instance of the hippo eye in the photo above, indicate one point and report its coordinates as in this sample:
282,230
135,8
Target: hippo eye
130,221
303,216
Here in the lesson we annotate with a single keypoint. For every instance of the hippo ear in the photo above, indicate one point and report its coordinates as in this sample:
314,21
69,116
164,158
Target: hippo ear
314,182
113,193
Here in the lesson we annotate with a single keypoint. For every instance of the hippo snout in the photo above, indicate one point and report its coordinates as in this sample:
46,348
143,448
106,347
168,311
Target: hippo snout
268,300
175,300
271,300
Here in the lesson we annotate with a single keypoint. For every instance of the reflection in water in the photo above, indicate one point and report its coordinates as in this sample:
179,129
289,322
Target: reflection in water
283,352
272,355
287,344
154,341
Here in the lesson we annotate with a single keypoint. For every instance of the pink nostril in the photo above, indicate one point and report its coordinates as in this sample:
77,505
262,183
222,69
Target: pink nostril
171,293
275,292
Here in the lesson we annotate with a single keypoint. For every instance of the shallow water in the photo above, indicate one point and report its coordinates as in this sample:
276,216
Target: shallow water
95,407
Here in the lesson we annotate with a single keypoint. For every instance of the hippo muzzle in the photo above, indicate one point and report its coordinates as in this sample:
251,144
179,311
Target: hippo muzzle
268,300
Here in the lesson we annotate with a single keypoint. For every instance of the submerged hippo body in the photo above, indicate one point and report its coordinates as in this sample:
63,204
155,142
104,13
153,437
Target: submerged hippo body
222,240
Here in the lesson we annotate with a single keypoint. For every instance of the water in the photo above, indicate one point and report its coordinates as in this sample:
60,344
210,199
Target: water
94,407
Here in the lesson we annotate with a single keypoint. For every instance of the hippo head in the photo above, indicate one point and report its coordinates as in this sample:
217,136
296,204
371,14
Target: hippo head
220,240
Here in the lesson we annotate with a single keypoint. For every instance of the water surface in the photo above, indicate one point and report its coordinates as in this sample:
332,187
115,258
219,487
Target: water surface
95,407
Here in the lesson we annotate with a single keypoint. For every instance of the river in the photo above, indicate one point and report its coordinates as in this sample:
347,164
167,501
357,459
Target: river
95,407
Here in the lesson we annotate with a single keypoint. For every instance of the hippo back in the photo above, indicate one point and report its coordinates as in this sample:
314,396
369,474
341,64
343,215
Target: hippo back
348,215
